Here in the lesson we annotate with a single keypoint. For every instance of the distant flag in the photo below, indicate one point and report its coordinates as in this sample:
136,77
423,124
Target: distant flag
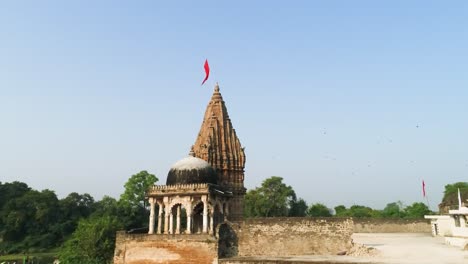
424,188
207,71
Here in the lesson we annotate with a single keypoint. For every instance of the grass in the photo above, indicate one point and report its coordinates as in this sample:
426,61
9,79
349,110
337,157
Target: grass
43,255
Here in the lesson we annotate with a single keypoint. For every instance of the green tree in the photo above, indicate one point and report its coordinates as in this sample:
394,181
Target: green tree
417,210
272,198
319,210
106,206
298,207
92,242
450,199
393,210
361,211
29,222
253,201
132,209
341,211
10,191
136,188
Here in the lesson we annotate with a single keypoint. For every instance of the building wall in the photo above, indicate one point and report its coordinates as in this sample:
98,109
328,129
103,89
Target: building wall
177,249
372,225
293,236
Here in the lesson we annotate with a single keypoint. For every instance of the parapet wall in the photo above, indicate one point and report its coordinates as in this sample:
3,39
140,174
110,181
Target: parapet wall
377,225
177,249
293,236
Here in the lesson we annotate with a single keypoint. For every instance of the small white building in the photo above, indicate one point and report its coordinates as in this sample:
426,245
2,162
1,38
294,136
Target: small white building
454,226
440,225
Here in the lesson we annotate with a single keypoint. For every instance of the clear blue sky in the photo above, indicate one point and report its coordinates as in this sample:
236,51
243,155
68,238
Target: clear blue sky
352,102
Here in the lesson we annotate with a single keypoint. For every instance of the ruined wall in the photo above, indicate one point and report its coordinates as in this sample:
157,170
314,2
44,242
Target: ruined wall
373,225
293,236
177,249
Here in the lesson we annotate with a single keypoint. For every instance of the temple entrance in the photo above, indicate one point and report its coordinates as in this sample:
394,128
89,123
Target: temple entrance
179,219
198,218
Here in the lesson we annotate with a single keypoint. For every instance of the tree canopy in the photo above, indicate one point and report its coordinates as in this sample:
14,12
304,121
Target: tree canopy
35,221
297,207
92,242
416,210
319,210
136,187
450,199
272,198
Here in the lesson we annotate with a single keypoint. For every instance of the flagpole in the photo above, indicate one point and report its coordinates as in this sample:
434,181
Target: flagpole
425,193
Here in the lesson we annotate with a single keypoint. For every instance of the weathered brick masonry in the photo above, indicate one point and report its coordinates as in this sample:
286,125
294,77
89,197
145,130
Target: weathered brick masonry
294,236
177,249
372,225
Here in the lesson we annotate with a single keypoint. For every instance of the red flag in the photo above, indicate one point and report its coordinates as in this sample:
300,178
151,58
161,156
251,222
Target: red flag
424,188
207,71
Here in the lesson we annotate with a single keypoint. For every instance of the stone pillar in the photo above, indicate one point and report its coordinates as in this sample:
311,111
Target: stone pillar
171,222
160,219
212,221
177,230
189,220
166,220
205,217
151,218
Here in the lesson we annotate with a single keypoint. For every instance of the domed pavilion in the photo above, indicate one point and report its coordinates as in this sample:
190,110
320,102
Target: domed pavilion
207,187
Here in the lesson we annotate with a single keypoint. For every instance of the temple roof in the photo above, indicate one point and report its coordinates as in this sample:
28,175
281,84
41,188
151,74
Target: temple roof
191,170
217,142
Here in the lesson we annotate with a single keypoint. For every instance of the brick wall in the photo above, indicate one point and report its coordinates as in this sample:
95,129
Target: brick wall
293,236
371,225
177,249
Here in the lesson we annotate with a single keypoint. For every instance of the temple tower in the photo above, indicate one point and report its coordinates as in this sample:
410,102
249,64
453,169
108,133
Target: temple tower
218,144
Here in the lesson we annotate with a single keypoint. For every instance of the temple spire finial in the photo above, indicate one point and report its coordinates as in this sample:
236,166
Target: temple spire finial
216,89
192,153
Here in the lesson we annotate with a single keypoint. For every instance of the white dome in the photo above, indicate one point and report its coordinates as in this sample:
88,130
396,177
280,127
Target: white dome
190,163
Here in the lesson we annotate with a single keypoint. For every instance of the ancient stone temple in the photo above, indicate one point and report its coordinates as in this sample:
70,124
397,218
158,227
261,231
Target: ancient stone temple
207,187
218,144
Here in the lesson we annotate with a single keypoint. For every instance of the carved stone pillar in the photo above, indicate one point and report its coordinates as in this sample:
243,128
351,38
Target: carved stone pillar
160,219
189,220
212,221
205,216
166,221
151,218
171,222
177,231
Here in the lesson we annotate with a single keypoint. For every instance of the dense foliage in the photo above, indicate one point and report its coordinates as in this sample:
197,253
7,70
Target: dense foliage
92,242
37,221
450,199
275,198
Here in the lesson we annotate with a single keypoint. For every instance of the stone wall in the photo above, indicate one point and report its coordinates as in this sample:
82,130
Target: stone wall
293,236
373,225
177,249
